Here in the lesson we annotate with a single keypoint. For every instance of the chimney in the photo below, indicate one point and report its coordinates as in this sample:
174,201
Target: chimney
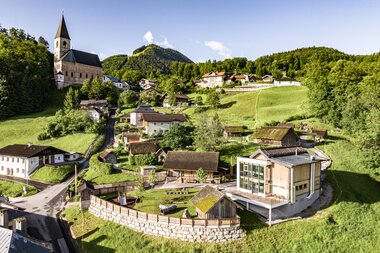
296,151
29,144
4,218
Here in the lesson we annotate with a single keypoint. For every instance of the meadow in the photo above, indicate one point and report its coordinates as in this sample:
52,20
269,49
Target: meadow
25,128
51,174
13,189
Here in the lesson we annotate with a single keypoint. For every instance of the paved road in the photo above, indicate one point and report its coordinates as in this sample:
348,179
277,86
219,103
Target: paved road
109,131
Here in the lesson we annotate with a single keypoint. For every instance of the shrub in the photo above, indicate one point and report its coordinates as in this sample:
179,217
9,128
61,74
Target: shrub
146,159
99,167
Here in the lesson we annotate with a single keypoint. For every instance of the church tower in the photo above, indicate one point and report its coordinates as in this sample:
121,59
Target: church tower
61,40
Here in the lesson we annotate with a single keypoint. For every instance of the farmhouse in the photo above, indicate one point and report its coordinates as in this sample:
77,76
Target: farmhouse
213,79
21,160
285,179
136,114
180,100
72,66
131,137
286,82
233,131
184,164
92,103
320,134
159,123
213,204
147,84
276,136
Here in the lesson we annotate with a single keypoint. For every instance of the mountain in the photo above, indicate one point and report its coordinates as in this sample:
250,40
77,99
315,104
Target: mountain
146,59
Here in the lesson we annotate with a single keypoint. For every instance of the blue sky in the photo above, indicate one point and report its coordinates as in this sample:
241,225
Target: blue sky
202,30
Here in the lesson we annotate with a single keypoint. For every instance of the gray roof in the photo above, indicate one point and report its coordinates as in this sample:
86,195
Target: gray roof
81,57
288,156
14,242
62,30
113,79
192,161
144,109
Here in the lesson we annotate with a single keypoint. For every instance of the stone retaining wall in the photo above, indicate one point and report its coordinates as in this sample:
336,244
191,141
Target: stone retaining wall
193,230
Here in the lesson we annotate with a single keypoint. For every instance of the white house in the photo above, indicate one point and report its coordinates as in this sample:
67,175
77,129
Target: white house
21,160
212,79
119,84
286,82
135,116
160,123
95,114
268,78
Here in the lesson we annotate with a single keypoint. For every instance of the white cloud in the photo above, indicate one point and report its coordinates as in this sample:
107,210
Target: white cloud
148,36
164,43
218,47
102,56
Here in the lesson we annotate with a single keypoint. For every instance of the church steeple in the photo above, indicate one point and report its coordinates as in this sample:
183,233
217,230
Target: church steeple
62,30
62,40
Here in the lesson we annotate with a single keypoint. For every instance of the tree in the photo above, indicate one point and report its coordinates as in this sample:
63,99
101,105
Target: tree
209,133
72,100
201,175
212,99
152,177
127,99
132,76
178,136
198,100
172,99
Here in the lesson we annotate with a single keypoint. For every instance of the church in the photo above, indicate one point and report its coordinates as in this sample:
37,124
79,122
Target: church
72,66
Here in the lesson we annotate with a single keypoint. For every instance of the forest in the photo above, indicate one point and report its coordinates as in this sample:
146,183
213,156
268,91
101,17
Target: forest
25,72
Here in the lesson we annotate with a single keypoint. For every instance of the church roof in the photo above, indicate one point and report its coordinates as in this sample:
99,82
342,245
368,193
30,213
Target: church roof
62,30
85,58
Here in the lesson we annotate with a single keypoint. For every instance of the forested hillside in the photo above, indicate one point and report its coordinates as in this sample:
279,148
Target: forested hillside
25,72
148,60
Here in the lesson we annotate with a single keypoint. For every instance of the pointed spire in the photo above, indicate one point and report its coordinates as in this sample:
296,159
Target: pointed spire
62,29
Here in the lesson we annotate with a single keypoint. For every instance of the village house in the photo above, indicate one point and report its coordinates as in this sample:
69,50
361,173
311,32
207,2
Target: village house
213,79
22,160
95,114
125,118
233,131
213,204
135,116
276,136
142,148
180,100
116,82
131,137
320,134
184,165
286,81
156,123
284,181
72,66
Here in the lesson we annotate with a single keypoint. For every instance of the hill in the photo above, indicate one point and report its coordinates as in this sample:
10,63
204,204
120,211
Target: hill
146,59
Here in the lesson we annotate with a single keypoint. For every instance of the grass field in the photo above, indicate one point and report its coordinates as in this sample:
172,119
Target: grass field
115,177
50,174
150,201
13,189
25,129
254,108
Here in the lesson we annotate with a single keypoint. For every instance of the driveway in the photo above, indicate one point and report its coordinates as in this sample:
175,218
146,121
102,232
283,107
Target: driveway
109,131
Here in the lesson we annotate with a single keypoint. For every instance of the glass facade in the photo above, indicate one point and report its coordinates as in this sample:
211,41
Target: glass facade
252,177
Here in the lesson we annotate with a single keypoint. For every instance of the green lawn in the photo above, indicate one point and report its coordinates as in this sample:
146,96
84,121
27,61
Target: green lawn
115,177
13,189
230,151
24,129
50,174
151,199
257,107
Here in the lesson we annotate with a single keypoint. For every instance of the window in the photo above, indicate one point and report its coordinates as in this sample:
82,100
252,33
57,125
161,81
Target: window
2,158
2,167
86,75
80,75
22,161
7,159
13,159
17,170
56,44
72,74
64,44
66,73
18,160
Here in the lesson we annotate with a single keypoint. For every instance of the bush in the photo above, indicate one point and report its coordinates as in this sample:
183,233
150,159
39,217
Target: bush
140,160
99,167
98,145
298,117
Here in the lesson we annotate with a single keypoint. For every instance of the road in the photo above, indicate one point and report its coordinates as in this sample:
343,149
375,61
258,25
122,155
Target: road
44,206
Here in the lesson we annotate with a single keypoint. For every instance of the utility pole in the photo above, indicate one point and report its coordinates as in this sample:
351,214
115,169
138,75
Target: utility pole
75,182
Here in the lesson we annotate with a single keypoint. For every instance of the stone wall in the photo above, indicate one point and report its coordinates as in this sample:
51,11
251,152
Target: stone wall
193,230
